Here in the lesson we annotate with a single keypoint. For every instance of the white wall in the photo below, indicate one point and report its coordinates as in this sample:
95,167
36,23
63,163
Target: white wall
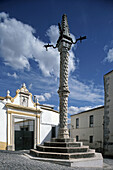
17,100
47,120
49,117
3,121
45,133
84,131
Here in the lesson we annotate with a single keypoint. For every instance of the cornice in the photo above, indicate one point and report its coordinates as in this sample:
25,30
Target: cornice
17,92
2,98
19,107
22,113
32,100
100,107
108,73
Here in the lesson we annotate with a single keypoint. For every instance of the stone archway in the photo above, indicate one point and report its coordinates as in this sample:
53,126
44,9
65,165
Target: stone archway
24,133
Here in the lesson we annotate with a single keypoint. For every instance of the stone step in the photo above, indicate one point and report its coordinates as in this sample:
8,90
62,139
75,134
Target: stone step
62,149
63,140
62,155
63,144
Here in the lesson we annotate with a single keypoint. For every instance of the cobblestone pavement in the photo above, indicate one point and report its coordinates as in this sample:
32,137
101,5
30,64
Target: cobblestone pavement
13,160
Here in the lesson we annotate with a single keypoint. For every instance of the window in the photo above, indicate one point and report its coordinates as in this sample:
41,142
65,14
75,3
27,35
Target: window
91,121
77,138
77,123
91,139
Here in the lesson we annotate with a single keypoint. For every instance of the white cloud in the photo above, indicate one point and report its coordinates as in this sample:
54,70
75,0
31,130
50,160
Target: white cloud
53,34
105,48
44,97
14,75
18,44
74,110
47,96
3,15
40,98
69,122
85,92
109,57
30,86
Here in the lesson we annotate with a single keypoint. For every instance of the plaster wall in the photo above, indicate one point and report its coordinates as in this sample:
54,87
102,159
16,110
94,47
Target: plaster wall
48,119
3,120
84,131
30,103
18,98
45,133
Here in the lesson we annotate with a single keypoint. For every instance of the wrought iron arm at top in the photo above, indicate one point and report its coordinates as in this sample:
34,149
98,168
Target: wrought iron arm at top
79,39
49,45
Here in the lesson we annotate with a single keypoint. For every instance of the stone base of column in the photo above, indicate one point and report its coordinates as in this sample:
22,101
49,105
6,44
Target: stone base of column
63,133
67,152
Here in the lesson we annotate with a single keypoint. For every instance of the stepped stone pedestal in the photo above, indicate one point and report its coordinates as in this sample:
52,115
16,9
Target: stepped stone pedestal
67,152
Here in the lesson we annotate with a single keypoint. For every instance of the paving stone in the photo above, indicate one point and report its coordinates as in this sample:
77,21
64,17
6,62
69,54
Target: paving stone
15,160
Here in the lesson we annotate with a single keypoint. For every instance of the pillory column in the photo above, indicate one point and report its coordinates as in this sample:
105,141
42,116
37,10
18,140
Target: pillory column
64,44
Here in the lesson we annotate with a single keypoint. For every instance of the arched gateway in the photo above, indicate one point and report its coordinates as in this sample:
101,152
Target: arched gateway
24,123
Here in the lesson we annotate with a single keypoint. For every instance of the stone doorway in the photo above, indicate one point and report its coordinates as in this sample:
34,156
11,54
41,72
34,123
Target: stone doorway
23,133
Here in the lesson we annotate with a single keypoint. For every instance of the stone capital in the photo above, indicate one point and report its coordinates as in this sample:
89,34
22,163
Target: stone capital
64,45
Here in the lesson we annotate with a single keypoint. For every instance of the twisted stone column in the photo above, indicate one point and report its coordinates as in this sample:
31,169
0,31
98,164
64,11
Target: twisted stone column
63,94
64,44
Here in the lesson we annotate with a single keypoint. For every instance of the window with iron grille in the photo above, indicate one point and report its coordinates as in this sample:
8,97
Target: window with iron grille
77,123
91,121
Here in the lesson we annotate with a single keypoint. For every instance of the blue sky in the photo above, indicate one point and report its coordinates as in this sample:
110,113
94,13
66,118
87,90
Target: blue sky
25,26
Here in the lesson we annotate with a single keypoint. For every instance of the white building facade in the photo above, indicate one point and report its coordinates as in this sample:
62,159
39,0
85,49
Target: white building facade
95,127
87,127
23,123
